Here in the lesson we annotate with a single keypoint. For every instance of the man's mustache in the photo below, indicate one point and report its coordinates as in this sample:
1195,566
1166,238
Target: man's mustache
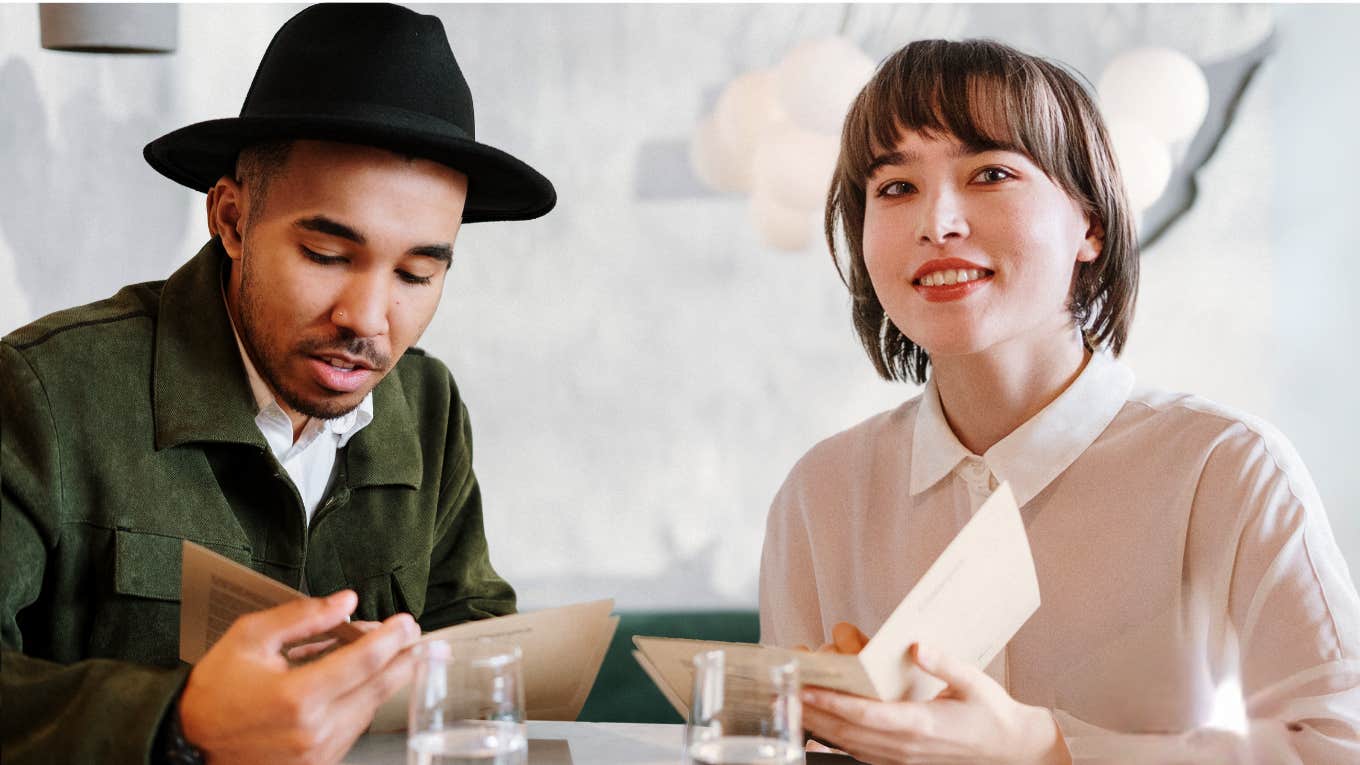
355,347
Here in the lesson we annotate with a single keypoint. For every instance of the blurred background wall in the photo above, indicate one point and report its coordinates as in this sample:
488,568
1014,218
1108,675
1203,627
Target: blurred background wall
642,371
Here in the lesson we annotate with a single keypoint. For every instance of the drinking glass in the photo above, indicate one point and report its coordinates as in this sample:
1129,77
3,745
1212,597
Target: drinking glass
745,710
467,704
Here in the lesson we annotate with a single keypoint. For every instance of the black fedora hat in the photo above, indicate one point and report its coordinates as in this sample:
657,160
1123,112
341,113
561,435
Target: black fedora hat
370,74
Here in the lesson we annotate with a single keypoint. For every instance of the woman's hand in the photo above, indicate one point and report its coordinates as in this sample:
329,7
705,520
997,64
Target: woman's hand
972,720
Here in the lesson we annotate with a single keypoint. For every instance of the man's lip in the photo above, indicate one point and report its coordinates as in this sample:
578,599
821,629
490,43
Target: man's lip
339,380
945,264
357,363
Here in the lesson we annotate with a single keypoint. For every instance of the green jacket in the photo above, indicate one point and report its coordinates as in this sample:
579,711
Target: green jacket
127,425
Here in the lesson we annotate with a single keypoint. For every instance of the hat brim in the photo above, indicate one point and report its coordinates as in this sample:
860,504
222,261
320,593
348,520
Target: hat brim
500,187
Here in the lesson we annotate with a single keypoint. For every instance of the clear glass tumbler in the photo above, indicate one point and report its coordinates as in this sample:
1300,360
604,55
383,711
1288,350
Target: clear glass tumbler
467,704
745,710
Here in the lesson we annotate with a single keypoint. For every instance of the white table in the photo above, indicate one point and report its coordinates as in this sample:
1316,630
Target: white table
558,743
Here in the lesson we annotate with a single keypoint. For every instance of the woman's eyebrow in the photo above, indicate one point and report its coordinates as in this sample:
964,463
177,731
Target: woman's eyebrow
905,158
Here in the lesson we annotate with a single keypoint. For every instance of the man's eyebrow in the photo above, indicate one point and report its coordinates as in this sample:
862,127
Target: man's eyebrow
440,252
323,225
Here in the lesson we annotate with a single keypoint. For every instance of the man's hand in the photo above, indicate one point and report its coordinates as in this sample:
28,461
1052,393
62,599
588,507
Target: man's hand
244,703
972,720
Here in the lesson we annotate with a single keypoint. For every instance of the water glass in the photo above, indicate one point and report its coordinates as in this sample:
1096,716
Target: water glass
467,704
745,710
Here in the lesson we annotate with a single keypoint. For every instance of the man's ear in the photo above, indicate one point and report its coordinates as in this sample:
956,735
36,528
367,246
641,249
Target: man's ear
1094,243
226,214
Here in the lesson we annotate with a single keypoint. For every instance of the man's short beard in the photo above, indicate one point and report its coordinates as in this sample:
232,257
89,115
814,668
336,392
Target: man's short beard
270,369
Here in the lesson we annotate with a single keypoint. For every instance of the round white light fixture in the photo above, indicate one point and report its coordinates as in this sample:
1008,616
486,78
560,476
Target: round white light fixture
708,157
794,167
746,113
1144,161
817,81
782,227
1162,88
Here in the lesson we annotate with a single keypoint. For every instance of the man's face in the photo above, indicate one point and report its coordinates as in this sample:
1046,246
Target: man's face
342,269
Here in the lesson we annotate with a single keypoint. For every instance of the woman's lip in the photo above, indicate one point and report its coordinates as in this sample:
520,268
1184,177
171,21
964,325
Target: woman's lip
336,379
946,264
947,292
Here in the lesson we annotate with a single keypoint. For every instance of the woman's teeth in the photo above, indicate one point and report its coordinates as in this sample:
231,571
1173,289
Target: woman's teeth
951,276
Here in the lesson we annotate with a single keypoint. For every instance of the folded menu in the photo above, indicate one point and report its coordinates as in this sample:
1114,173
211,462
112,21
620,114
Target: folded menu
562,648
970,603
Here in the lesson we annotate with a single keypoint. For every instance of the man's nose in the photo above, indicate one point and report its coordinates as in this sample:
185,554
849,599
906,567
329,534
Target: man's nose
943,218
362,307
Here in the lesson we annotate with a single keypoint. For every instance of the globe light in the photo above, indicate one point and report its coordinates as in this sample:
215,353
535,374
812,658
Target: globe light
780,226
817,81
709,159
1144,161
747,111
793,166
1159,87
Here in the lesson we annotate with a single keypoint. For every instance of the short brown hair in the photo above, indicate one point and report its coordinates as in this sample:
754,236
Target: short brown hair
988,96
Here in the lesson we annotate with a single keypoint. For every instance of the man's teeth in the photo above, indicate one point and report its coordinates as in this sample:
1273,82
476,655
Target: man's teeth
338,364
951,276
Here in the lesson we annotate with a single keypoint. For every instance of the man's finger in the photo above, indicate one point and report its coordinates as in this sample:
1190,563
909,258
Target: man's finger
397,674
352,665
294,622
299,654
963,678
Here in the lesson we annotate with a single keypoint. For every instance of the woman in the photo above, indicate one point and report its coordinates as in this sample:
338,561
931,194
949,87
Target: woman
1181,547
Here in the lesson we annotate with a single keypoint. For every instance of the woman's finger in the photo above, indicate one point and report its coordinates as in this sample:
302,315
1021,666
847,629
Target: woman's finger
963,678
848,638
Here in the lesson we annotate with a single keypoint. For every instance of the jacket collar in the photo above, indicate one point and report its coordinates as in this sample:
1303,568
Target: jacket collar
200,393
1038,451
199,389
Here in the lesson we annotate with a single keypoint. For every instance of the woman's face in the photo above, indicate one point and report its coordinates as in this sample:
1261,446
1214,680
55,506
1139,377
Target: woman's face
971,252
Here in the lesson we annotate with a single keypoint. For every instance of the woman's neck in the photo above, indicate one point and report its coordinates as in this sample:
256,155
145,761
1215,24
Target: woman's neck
987,395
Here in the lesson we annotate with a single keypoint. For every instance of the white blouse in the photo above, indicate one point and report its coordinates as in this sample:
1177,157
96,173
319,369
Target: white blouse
1196,607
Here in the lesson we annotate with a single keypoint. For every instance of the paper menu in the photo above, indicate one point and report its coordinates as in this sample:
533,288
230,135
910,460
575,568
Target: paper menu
970,602
562,648
215,591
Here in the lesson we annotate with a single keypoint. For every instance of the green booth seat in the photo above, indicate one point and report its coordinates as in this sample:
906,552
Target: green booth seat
624,693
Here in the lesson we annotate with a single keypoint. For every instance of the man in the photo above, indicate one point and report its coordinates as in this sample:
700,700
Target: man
265,401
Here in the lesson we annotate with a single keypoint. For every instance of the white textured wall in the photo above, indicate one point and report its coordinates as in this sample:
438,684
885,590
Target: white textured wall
641,371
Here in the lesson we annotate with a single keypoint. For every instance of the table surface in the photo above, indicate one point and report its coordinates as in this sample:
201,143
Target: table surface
574,743
557,743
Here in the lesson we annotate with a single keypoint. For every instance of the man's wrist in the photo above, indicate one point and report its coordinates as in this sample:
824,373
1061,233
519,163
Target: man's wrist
172,746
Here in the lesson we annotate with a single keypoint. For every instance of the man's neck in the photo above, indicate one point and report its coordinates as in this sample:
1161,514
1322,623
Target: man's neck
987,395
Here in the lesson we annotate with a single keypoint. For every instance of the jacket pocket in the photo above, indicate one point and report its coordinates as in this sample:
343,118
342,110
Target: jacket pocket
409,583
146,565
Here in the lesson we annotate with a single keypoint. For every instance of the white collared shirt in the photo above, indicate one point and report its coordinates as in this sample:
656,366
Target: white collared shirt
310,460
1180,547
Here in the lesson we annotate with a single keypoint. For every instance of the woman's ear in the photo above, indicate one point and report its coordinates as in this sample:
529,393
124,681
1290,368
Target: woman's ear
226,214
1094,243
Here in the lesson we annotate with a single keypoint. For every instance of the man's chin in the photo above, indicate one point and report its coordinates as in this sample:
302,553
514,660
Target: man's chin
325,407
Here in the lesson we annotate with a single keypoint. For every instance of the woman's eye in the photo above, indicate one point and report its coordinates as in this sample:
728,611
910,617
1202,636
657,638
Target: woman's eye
993,175
895,189
411,278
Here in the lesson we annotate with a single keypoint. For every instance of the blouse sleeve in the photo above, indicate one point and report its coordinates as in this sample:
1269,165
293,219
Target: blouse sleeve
1285,623
790,610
